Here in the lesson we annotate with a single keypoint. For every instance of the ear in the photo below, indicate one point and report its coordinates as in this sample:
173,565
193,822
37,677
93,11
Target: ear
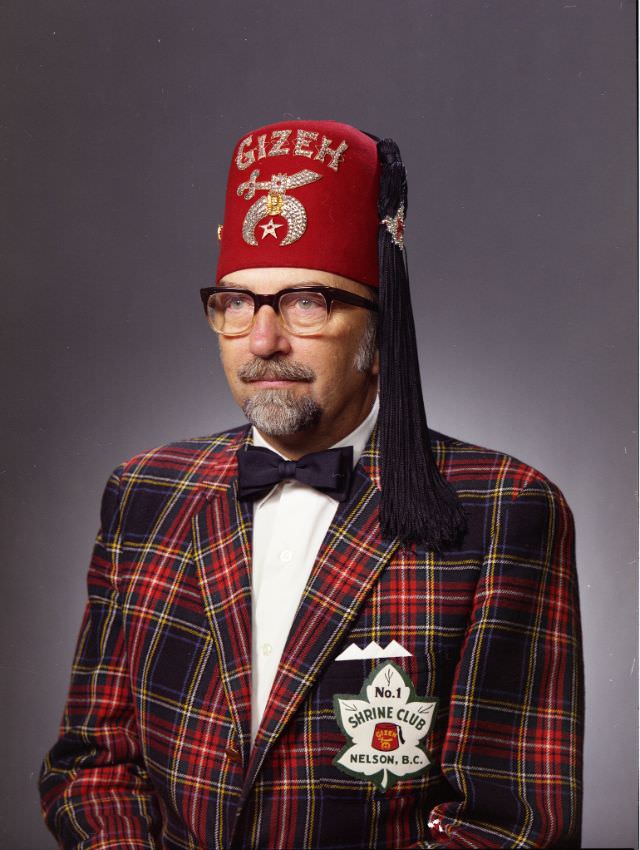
375,366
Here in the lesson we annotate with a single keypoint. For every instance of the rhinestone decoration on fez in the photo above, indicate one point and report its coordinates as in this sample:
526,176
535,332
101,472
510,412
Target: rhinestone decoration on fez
270,228
275,202
395,226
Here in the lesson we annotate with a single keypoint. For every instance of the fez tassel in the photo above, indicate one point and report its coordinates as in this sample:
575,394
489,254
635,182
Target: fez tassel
417,504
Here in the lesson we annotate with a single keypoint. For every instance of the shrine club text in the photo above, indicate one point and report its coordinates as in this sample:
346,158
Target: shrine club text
387,712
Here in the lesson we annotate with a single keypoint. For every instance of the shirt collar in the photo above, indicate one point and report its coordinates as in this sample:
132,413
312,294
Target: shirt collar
359,437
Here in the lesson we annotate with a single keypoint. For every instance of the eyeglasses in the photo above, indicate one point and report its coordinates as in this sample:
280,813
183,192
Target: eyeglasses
302,309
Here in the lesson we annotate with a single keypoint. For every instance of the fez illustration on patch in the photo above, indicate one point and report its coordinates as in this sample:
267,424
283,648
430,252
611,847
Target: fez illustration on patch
384,725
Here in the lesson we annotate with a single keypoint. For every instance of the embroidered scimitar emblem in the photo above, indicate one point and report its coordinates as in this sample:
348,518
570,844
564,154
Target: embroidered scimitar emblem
384,724
275,202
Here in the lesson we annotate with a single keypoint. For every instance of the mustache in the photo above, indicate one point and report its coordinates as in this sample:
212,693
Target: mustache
276,369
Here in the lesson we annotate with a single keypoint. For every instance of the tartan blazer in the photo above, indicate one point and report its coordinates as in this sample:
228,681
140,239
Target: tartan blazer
154,749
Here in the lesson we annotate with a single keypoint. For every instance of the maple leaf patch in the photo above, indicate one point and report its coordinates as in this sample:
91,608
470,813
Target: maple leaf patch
384,723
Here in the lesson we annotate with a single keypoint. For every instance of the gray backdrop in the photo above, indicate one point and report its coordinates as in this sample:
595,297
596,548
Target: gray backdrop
517,121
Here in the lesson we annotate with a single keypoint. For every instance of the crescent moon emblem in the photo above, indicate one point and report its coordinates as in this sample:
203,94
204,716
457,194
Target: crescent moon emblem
292,211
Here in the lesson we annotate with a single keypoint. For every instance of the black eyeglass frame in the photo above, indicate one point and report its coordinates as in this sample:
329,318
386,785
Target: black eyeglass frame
329,293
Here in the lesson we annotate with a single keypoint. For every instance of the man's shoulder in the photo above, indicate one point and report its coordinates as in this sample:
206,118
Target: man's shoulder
167,479
188,463
474,470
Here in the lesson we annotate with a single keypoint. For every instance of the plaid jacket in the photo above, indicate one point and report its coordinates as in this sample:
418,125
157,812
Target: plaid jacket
154,750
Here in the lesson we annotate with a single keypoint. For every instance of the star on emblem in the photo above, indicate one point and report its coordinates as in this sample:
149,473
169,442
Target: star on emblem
270,228
395,226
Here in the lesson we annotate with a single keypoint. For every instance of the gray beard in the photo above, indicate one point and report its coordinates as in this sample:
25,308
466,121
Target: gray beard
280,412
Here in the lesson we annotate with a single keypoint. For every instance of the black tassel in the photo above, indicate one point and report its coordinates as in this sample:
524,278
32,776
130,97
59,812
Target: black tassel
417,503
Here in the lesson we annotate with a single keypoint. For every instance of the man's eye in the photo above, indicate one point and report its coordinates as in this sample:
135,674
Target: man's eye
306,303
234,303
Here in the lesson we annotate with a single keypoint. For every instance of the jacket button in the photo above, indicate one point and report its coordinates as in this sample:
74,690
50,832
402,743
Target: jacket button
232,753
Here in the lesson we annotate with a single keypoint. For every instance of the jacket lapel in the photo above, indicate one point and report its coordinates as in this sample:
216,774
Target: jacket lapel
222,530
349,563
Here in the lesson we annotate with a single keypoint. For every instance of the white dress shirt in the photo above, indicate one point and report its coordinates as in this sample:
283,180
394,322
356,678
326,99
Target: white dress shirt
289,525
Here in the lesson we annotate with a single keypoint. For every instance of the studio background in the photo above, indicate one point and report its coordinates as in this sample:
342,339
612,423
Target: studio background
517,122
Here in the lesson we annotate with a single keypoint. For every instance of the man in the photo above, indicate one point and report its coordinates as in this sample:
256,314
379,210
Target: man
332,629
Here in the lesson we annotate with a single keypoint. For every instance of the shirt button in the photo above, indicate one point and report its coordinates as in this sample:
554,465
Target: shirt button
266,649
286,555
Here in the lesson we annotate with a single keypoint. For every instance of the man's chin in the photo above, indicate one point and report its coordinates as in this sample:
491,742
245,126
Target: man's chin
279,413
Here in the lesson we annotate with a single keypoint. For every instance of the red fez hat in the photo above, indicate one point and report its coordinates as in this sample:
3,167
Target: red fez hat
323,195
303,194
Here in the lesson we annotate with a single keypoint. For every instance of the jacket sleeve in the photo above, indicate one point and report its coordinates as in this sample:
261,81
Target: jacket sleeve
513,747
96,794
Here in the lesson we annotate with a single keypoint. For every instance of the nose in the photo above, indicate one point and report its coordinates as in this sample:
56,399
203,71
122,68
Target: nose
267,336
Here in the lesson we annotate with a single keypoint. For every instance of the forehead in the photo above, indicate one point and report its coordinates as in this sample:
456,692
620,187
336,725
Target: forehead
268,280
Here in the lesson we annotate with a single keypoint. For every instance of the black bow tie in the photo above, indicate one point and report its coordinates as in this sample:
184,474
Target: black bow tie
329,471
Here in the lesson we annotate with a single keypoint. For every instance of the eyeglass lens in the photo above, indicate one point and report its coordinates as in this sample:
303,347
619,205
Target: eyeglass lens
232,312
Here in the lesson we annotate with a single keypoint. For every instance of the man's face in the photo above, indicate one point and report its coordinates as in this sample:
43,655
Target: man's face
303,392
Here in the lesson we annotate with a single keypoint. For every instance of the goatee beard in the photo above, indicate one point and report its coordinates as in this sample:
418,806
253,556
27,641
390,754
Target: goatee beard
279,413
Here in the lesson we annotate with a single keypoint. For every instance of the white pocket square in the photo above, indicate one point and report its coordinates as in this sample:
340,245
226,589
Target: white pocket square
373,650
